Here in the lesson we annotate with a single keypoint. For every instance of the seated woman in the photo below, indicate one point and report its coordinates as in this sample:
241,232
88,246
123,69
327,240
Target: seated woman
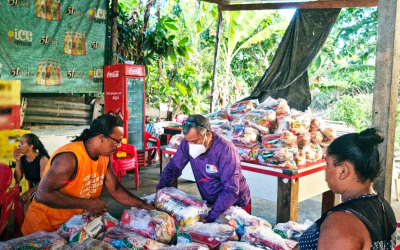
32,164
364,220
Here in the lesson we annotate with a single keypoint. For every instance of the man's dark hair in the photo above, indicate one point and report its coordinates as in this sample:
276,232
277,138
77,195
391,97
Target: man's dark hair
103,124
199,119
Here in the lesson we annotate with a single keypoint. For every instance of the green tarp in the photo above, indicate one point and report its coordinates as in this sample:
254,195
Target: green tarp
53,46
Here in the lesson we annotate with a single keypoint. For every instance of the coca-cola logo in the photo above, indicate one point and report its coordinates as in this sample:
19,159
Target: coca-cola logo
134,71
113,74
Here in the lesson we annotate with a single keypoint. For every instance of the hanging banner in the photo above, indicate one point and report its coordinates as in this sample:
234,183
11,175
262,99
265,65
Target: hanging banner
53,46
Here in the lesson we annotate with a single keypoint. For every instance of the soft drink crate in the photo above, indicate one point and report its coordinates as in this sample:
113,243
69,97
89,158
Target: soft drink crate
23,184
10,92
8,140
10,117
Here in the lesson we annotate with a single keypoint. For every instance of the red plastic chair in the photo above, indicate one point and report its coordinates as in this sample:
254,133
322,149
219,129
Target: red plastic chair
5,178
6,205
123,163
149,150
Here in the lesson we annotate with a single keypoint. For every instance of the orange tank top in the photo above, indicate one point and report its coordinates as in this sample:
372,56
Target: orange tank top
87,183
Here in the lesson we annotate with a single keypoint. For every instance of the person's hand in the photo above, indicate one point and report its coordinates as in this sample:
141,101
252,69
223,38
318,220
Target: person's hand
17,154
25,197
96,207
203,220
148,206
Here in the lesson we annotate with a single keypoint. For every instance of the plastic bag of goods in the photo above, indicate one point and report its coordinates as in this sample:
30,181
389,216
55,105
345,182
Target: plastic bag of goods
149,199
75,223
175,141
280,106
90,230
236,117
238,218
262,130
280,140
237,121
316,124
122,238
318,151
329,135
184,208
265,118
292,230
276,157
186,246
225,130
264,237
90,244
211,116
210,234
241,107
237,245
316,137
155,225
248,152
37,240
303,140
222,114
214,124
246,136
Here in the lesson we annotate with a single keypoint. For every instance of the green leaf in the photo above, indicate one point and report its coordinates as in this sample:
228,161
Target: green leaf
181,89
146,60
170,50
146,45
171,26
171,37
173,57
183,41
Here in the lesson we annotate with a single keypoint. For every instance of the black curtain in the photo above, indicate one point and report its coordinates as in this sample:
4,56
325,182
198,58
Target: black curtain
287,75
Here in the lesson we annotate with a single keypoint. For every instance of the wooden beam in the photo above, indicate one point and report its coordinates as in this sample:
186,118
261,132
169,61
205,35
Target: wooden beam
57,120
216,54
386,88
301,5
114,29
288,200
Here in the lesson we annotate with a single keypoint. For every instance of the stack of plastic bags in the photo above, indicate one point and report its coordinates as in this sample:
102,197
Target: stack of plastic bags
38,240
186,246
89,244
184,208
292,230
122,238
175,141
264,237
238,218
210,234
237,245
155,225
82,227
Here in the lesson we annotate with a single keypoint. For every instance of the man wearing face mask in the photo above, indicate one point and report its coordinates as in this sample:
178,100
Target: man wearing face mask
215,164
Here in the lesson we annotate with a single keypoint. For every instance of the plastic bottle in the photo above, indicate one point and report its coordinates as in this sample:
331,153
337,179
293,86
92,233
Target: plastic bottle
43,9
66,39
49,71
58,10
43,74
69,42
38,71
54,10
58,72
74,49
54,73
78,35
48,10
83,39
38,8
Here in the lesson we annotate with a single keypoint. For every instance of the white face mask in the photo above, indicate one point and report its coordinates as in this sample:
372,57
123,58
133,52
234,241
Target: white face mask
197,149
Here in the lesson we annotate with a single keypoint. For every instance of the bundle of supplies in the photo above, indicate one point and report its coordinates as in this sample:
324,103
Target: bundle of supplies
83,226
238,218
122,238
210,234
89,244
152,224
38,240
184,208
186,246
175,141
237,245
264,237
292,230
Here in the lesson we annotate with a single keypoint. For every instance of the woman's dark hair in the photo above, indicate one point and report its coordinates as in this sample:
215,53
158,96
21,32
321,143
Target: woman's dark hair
361,150
32,139
103,124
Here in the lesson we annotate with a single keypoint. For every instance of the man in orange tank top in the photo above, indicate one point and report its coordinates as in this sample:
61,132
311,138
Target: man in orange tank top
74,177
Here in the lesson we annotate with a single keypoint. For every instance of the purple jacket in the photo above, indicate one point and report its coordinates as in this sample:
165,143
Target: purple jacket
217,172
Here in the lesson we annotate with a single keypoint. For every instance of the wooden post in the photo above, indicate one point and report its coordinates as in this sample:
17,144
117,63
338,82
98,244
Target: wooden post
386,88
328,201
114,29
288,200
215,67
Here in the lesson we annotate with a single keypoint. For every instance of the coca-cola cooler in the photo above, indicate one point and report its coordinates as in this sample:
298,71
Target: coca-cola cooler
124,92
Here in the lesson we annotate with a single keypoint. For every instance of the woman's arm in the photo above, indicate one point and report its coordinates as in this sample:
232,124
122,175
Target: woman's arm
343,230
43,162
19,172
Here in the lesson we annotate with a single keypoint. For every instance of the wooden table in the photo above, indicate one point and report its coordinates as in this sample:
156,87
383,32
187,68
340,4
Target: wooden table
286,187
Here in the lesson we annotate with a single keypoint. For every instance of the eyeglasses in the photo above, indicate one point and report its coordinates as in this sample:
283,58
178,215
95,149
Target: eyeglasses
117,141
193,124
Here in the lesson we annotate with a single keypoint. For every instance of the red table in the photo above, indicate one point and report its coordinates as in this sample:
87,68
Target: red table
286,187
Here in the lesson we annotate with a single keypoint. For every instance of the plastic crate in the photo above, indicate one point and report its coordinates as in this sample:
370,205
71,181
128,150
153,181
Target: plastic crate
8,140
23,184
10,92
10,117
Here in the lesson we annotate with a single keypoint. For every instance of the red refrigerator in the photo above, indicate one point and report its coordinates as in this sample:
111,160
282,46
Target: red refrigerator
124,92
